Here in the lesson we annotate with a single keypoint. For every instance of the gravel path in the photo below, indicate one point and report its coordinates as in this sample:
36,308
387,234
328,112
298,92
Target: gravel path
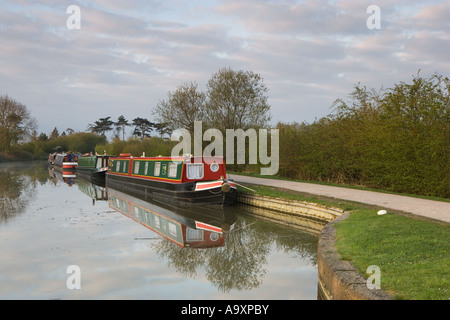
423,207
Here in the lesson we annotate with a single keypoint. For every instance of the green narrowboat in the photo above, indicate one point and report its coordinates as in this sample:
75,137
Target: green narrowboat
93,167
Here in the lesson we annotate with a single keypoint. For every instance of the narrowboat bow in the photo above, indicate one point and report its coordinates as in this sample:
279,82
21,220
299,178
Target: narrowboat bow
187,179
67,161
93,167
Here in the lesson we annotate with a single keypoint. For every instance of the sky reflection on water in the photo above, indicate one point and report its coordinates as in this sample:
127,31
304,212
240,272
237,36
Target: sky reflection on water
53,225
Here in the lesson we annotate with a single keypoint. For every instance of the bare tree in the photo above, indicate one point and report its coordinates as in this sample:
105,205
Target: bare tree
237,100
183,106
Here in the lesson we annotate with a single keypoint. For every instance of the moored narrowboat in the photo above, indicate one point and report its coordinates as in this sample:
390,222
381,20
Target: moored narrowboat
66,161
187,179
93,167
51,159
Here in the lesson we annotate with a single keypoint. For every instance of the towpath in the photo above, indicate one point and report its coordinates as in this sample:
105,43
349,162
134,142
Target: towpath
429,208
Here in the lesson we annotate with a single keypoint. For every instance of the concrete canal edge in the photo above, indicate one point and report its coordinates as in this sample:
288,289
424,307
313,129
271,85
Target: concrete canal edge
338,279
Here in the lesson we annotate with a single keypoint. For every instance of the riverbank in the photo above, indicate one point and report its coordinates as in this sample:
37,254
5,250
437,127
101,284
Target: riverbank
18,156
411,251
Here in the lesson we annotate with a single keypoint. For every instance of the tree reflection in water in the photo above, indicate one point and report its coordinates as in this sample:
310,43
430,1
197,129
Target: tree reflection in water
18,183
240,264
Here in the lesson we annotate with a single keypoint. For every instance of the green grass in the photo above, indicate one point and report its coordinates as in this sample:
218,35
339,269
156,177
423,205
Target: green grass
413,254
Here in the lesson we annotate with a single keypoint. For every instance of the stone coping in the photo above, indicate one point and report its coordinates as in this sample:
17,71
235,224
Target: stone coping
294,207
339,279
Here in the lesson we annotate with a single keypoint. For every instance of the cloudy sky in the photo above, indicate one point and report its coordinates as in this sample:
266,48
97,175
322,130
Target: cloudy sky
127,55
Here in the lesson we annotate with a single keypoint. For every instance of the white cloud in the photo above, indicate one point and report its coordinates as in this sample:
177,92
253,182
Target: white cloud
128,55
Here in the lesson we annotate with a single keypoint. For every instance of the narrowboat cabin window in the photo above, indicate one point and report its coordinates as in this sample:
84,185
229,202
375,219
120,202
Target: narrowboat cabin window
99,163
157,169
172,229
214,167
194,234
194,171
118,166
136,167
172,170
157,222
146,168
136,212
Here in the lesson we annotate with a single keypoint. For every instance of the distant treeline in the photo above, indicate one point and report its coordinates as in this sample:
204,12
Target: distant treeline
39,148
153,146
396,139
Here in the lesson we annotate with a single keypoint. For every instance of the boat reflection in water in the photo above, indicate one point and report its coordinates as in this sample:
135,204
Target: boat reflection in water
96,192
196,227
69,177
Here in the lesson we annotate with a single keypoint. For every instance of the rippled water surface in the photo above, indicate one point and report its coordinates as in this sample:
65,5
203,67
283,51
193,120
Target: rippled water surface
65,238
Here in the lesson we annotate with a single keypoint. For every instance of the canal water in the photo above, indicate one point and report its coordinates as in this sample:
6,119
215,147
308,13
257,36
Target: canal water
62,237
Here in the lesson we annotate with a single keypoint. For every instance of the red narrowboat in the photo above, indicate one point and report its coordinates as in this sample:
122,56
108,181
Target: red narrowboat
187,179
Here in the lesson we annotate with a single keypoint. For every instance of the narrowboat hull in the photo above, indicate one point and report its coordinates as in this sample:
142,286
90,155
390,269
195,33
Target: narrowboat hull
92,175
179,193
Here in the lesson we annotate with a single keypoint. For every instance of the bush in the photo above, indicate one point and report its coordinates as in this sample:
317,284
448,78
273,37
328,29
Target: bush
398,140
150,146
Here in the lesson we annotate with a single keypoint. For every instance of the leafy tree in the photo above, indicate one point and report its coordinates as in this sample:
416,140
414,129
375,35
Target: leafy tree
43,137
54,134
120,126
101,126
143,127
162,129
16,122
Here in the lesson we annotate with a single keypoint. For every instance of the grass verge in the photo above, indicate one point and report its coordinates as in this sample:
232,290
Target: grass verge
413,254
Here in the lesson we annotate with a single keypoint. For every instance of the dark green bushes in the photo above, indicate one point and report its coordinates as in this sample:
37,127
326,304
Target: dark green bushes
152,147
397,140
79,142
